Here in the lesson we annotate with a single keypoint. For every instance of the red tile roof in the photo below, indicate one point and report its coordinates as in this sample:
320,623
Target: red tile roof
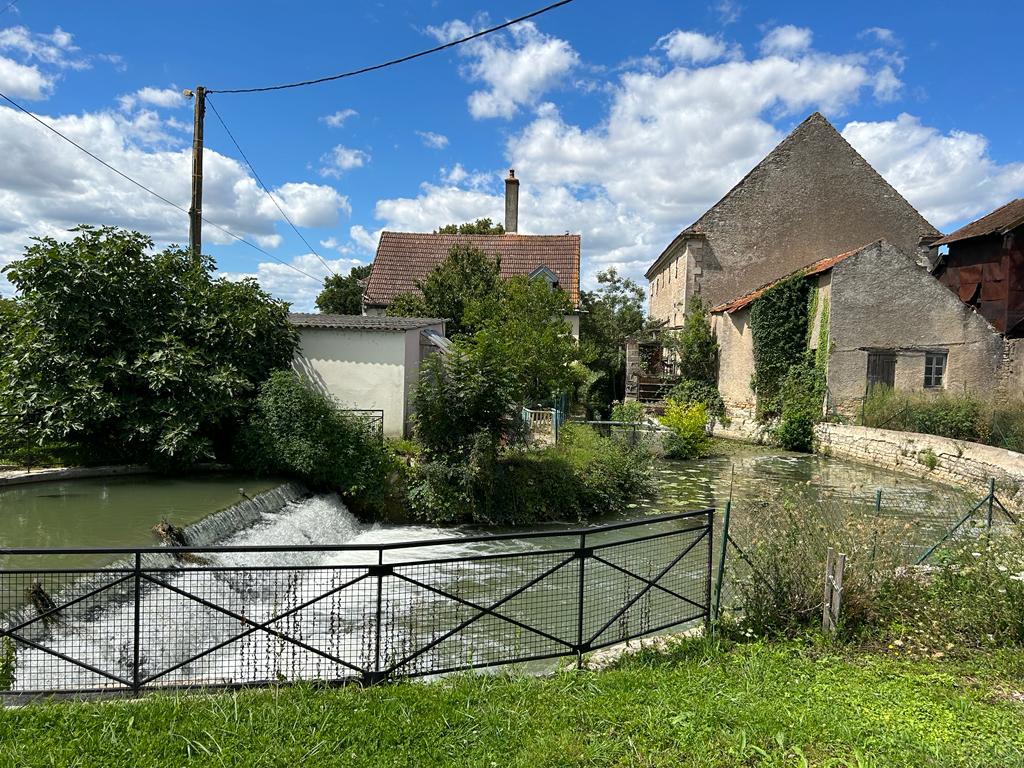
822,265
405,257
1002,219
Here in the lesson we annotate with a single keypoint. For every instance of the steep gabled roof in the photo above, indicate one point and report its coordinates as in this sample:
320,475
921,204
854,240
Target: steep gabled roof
403,258
818,267
999,221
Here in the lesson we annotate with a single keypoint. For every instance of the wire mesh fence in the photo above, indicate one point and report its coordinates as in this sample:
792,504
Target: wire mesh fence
215,616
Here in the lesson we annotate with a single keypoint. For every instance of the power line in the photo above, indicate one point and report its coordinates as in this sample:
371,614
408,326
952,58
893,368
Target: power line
264,186
8,6
402,60
143,187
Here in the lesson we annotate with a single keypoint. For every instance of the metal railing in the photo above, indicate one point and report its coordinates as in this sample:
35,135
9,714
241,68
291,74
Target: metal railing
228,616
372,417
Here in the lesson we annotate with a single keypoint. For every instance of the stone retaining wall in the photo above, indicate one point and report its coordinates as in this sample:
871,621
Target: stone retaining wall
942,459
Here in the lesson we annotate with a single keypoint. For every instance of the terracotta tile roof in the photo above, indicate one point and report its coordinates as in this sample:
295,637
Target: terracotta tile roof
999,221
822,265
360,322
405,257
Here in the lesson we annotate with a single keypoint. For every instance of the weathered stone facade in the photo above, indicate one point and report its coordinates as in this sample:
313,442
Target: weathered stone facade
955,462
813,195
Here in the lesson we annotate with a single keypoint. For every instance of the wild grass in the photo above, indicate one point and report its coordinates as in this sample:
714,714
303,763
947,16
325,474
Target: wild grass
704,704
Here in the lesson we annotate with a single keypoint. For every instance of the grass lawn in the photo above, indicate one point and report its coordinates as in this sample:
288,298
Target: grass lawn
754,705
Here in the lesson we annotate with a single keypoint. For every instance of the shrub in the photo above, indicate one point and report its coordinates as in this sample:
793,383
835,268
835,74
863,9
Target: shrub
801,397
299,432
629,412
688,438
694,391
695,347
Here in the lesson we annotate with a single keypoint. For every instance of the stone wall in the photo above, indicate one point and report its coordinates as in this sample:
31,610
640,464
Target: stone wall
955,462
1012,373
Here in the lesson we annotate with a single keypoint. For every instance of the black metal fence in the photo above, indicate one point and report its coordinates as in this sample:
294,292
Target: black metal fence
372,417
215,616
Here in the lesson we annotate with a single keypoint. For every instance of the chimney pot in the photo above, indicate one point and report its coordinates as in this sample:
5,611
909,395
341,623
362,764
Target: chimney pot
511,202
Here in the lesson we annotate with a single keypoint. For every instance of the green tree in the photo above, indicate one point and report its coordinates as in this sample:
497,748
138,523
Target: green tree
343,295
465,276
695,347
610,315
134,355
478,227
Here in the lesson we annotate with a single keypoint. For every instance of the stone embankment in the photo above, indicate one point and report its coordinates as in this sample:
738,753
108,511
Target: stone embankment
942,459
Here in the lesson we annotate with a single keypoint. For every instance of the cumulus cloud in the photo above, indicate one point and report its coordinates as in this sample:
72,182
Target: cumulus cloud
337,119
56,48
307,205
433,140
516,69
165,98
341,159
883,35
949,177
363,239
22,81
786,41
284,282
691,47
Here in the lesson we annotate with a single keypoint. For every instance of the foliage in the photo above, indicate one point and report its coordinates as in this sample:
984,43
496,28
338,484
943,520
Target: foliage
343,295
8,663
297,431
466,276
523,326
705,704
778,324
802,392
695,347
689,437
133,356
693,391
478,227
609,316
629,412
584,476
959,416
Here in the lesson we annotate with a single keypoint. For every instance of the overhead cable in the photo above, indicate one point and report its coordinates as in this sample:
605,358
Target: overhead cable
393,62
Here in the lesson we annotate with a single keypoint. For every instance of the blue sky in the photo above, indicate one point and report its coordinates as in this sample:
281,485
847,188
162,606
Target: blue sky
623,121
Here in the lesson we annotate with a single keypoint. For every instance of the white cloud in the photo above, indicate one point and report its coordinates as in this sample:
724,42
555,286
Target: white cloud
363,239
286,283
55,48
165,98
20,81
786,40
887,85
433,140
949,177
728,11
337,119
341,159
48,186
883,35
515,73
687,47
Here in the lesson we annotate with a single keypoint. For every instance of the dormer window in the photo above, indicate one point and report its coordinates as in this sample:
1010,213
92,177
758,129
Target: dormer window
550,277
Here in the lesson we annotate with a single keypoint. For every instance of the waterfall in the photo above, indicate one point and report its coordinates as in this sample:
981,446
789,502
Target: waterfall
215,528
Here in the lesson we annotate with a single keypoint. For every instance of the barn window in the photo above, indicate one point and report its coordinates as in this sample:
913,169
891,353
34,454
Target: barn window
934,369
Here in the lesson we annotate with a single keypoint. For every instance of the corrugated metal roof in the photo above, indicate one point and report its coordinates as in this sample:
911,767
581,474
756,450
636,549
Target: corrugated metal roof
361,322
816,268
403,258
1001,220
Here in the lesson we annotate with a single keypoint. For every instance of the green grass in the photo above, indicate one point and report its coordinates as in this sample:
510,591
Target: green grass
702,706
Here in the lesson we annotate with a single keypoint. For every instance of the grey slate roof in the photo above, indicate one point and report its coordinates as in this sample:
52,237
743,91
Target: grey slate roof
360,322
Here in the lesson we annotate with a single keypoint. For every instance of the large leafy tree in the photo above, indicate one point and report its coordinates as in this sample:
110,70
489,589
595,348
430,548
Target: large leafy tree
134,355
466,276
694,346
611,314
343,295
478,227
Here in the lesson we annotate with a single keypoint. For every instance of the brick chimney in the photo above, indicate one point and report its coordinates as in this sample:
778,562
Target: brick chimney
511,202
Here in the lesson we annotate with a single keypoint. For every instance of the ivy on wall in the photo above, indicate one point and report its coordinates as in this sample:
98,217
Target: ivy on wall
779,321
821,353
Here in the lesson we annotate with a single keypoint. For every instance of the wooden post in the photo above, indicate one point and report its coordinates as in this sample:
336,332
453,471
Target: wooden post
195,211
832,600
991,499
826,599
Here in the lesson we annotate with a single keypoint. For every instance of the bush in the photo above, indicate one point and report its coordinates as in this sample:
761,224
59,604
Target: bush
583,477
688,438
801,396
694,391
297,431
629,412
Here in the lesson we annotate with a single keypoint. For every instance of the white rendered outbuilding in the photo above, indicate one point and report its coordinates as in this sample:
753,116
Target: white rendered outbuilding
367,363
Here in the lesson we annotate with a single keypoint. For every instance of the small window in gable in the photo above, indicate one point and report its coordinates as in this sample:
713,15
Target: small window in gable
550,277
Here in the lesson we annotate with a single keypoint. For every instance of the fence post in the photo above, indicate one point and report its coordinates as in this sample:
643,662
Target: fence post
711,558
723,549
136,677
581,554
377,624
835,567
991,501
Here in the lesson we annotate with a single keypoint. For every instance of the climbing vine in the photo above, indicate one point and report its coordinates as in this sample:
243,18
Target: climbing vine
779,321
821,353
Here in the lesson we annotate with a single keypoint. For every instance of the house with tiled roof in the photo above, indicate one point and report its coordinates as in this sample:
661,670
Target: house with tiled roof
404,259
878,317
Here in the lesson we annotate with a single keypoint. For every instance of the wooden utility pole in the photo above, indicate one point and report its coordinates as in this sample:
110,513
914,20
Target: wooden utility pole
195,211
